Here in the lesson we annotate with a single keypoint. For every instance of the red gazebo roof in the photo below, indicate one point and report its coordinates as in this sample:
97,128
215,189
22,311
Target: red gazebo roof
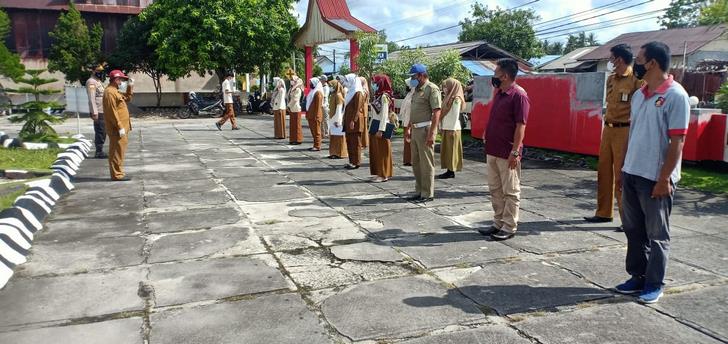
328,21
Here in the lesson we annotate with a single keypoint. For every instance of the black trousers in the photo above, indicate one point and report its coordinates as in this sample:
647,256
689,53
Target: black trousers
99,133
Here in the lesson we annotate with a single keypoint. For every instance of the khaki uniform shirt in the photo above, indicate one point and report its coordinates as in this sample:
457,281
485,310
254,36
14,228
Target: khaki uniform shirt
425,100
620,89
116,114
95,91
294,100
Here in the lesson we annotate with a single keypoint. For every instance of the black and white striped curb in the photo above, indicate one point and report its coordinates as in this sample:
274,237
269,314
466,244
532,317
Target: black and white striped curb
7,142
19,223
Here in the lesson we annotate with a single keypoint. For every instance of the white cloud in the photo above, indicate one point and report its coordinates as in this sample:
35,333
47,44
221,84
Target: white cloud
406,18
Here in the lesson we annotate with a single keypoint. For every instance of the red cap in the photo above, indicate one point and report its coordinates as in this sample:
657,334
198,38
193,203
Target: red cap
117,74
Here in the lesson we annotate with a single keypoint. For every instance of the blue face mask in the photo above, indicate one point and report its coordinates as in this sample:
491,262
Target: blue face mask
375,87
414,83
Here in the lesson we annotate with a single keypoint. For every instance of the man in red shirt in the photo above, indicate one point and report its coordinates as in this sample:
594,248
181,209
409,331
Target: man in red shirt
503,148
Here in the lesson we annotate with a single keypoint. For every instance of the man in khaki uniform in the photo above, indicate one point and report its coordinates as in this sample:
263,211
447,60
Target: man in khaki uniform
95,91
621,85
424,120
117,122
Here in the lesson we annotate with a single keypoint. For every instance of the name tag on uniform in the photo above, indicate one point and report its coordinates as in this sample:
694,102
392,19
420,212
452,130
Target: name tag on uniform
625,97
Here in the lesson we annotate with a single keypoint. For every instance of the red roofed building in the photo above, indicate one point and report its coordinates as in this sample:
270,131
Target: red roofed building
329,21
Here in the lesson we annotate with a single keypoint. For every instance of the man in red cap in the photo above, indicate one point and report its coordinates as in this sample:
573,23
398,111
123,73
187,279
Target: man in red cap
117,122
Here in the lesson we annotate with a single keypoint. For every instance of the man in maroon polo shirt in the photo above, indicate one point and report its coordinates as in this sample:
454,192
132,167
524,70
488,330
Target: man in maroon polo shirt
503,147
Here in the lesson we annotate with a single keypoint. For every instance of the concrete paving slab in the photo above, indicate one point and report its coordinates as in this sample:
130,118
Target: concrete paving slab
606,268
273,194
406,222
213,279
367,203
91,227
120,331
453,249
706,308
83,255
199,199
612,323
190,219
70,297
108,207
181,246
397,308
491,334
241,322
367,251
288,242
525,286
159,187
707,252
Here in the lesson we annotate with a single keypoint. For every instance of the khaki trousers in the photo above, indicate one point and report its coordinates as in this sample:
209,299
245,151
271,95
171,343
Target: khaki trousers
229,115
505,192
117,150
314,124
611,155
423,163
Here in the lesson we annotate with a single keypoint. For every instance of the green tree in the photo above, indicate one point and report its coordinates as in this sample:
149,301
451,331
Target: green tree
555,48
682,13
10,65
721,97
366,61
509,30
75,49
716,12
398,68
134,53
214,36
447,65
580,41
37,127
317,71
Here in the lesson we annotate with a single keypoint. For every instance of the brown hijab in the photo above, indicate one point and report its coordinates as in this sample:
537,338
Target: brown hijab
454,91
336,97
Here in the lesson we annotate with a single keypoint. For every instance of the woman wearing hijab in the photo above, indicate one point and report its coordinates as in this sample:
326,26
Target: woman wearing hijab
337,143
404,115
279,108
451,149
354,122
294,111
367,99
315,111
380,148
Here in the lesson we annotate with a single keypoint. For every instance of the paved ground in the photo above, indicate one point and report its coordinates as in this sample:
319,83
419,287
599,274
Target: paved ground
233,237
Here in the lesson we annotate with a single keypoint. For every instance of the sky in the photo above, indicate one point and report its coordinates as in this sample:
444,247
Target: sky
403,19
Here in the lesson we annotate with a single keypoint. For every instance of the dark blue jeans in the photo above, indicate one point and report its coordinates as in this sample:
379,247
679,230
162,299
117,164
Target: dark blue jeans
99,133
646,222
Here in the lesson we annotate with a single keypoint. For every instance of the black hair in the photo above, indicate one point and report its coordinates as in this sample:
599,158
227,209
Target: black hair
623,51
508,66
659,52
228,74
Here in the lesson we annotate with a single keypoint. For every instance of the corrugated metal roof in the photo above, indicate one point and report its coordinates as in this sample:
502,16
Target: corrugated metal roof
56,5
540,61
475,50
696,37
570,60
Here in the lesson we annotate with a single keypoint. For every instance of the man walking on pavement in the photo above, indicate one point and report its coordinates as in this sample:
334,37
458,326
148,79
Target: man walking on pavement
117,122
503,149
95,91
660,117
228,88
621,85
424,120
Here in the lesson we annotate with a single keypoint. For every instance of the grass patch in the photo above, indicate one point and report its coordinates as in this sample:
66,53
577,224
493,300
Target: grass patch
7,199
25,159
703,179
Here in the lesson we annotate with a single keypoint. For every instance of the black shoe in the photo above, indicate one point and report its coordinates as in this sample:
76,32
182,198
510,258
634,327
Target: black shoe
122,179
219,126
425,199
620,229
101,155
236,128
501,235
414,198
351,167
446,175
597,219
488,231
407,165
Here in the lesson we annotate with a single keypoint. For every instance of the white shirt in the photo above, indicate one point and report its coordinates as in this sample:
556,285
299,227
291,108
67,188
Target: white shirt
383,116
452,120
228,87
337,118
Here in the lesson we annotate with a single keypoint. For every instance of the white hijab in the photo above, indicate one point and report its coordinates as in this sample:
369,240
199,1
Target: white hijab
280,86
311,93
351,81
296,82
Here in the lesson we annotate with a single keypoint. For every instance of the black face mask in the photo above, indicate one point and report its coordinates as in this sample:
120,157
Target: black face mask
639,71
496,82
99,75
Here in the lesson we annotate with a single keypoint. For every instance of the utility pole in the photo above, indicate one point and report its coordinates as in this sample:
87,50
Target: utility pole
334,71
293,60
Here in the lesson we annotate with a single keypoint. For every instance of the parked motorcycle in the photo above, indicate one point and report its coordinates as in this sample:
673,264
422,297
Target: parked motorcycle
256,103
198,106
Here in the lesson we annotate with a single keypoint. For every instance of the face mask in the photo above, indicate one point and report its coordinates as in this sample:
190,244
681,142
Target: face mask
639,71
610,66
122,87
496,82
414,83
99,75
375,87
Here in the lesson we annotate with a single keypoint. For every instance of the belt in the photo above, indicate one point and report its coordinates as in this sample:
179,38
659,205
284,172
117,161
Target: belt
616,125
422,124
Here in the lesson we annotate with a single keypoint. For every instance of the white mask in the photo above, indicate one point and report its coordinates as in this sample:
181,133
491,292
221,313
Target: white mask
610,66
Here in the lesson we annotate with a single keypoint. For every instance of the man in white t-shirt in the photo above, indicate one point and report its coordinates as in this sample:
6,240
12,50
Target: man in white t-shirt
228,88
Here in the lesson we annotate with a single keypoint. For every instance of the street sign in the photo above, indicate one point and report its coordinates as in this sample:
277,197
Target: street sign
382,52
290,73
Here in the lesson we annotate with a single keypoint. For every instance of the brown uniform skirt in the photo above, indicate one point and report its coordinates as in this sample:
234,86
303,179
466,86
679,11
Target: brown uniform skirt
279,124
451,151
296,132
380,156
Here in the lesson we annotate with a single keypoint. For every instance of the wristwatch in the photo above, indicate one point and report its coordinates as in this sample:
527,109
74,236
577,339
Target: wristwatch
515,153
